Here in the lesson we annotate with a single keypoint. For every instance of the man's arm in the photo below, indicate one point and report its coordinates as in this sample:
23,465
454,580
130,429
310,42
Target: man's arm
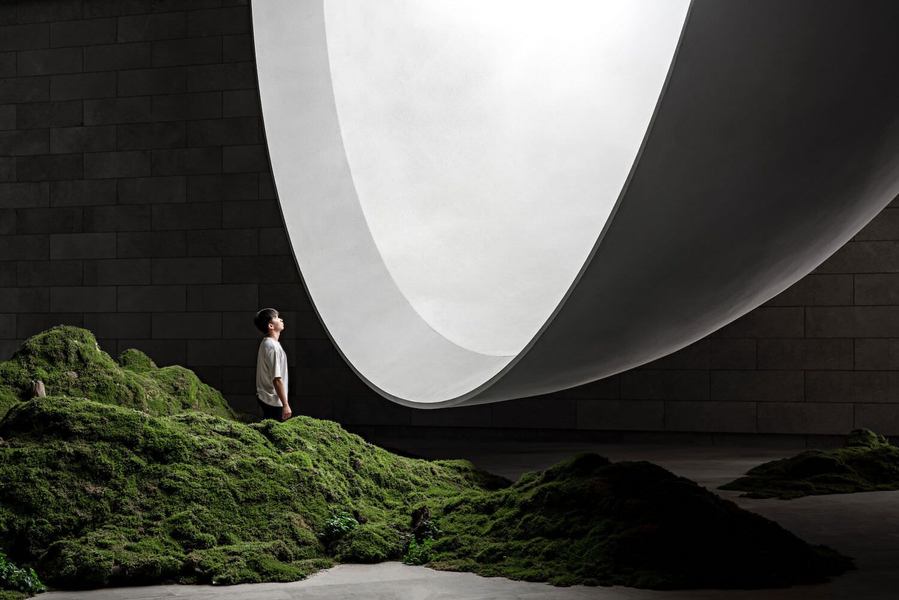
285,406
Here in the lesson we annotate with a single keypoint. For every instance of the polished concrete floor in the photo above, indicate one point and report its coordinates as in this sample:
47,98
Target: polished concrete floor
864,526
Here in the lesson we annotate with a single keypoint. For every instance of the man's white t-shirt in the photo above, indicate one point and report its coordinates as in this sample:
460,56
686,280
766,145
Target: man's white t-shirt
271,362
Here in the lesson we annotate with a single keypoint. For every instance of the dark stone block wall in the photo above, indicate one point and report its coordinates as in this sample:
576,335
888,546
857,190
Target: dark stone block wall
135,196
136,201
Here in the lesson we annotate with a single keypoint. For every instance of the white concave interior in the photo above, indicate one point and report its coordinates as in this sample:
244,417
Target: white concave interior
445,168
488,141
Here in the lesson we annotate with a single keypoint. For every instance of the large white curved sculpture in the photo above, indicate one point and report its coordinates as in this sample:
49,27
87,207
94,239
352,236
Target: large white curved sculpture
490,200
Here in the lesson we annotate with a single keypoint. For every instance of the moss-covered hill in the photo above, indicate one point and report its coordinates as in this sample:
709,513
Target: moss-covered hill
94,494
867,463
69,362
590,521
97,495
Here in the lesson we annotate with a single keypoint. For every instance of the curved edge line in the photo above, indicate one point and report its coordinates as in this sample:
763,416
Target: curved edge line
624,189
463,399
374,242
381,392
472,395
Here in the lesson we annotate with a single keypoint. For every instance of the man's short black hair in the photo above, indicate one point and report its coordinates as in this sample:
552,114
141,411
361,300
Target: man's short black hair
263,318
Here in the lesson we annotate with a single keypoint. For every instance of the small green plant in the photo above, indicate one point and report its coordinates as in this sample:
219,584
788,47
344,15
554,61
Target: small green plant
418,553
19,579
337,526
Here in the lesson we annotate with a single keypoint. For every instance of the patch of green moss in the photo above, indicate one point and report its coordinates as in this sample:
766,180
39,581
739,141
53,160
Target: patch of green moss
135,360
7,400
253,562
589,521
372,543
70,363
96,493
867,463
99,495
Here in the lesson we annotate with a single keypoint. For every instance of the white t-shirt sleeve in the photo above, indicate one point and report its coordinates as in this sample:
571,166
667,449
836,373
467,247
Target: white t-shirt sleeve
274,365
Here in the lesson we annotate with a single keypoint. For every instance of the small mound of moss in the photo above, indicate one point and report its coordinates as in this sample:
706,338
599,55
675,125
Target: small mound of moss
135,360
589,521
70,363
867,463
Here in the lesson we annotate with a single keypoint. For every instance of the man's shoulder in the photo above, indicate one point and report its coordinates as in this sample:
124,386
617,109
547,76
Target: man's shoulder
268,342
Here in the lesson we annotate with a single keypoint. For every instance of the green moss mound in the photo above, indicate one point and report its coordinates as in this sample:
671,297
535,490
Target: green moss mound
867,463
97,495
589,521
135,360
70,363
129,474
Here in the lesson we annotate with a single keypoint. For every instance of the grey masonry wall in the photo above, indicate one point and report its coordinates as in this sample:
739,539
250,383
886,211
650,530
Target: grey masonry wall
136,201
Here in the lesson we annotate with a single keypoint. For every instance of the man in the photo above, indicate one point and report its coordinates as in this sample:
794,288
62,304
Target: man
271,367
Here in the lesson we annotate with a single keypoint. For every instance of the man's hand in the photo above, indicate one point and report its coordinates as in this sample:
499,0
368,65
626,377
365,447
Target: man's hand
282,395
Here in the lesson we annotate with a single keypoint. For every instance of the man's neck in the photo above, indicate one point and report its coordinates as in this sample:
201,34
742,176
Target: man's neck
274,335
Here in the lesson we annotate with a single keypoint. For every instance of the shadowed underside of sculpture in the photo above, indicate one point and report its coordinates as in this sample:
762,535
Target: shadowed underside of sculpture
493,202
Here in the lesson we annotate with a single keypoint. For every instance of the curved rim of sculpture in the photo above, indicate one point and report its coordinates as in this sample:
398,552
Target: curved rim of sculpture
749,195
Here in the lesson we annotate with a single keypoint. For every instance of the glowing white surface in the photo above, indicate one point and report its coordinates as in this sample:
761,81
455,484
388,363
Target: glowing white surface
735,197
488,142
